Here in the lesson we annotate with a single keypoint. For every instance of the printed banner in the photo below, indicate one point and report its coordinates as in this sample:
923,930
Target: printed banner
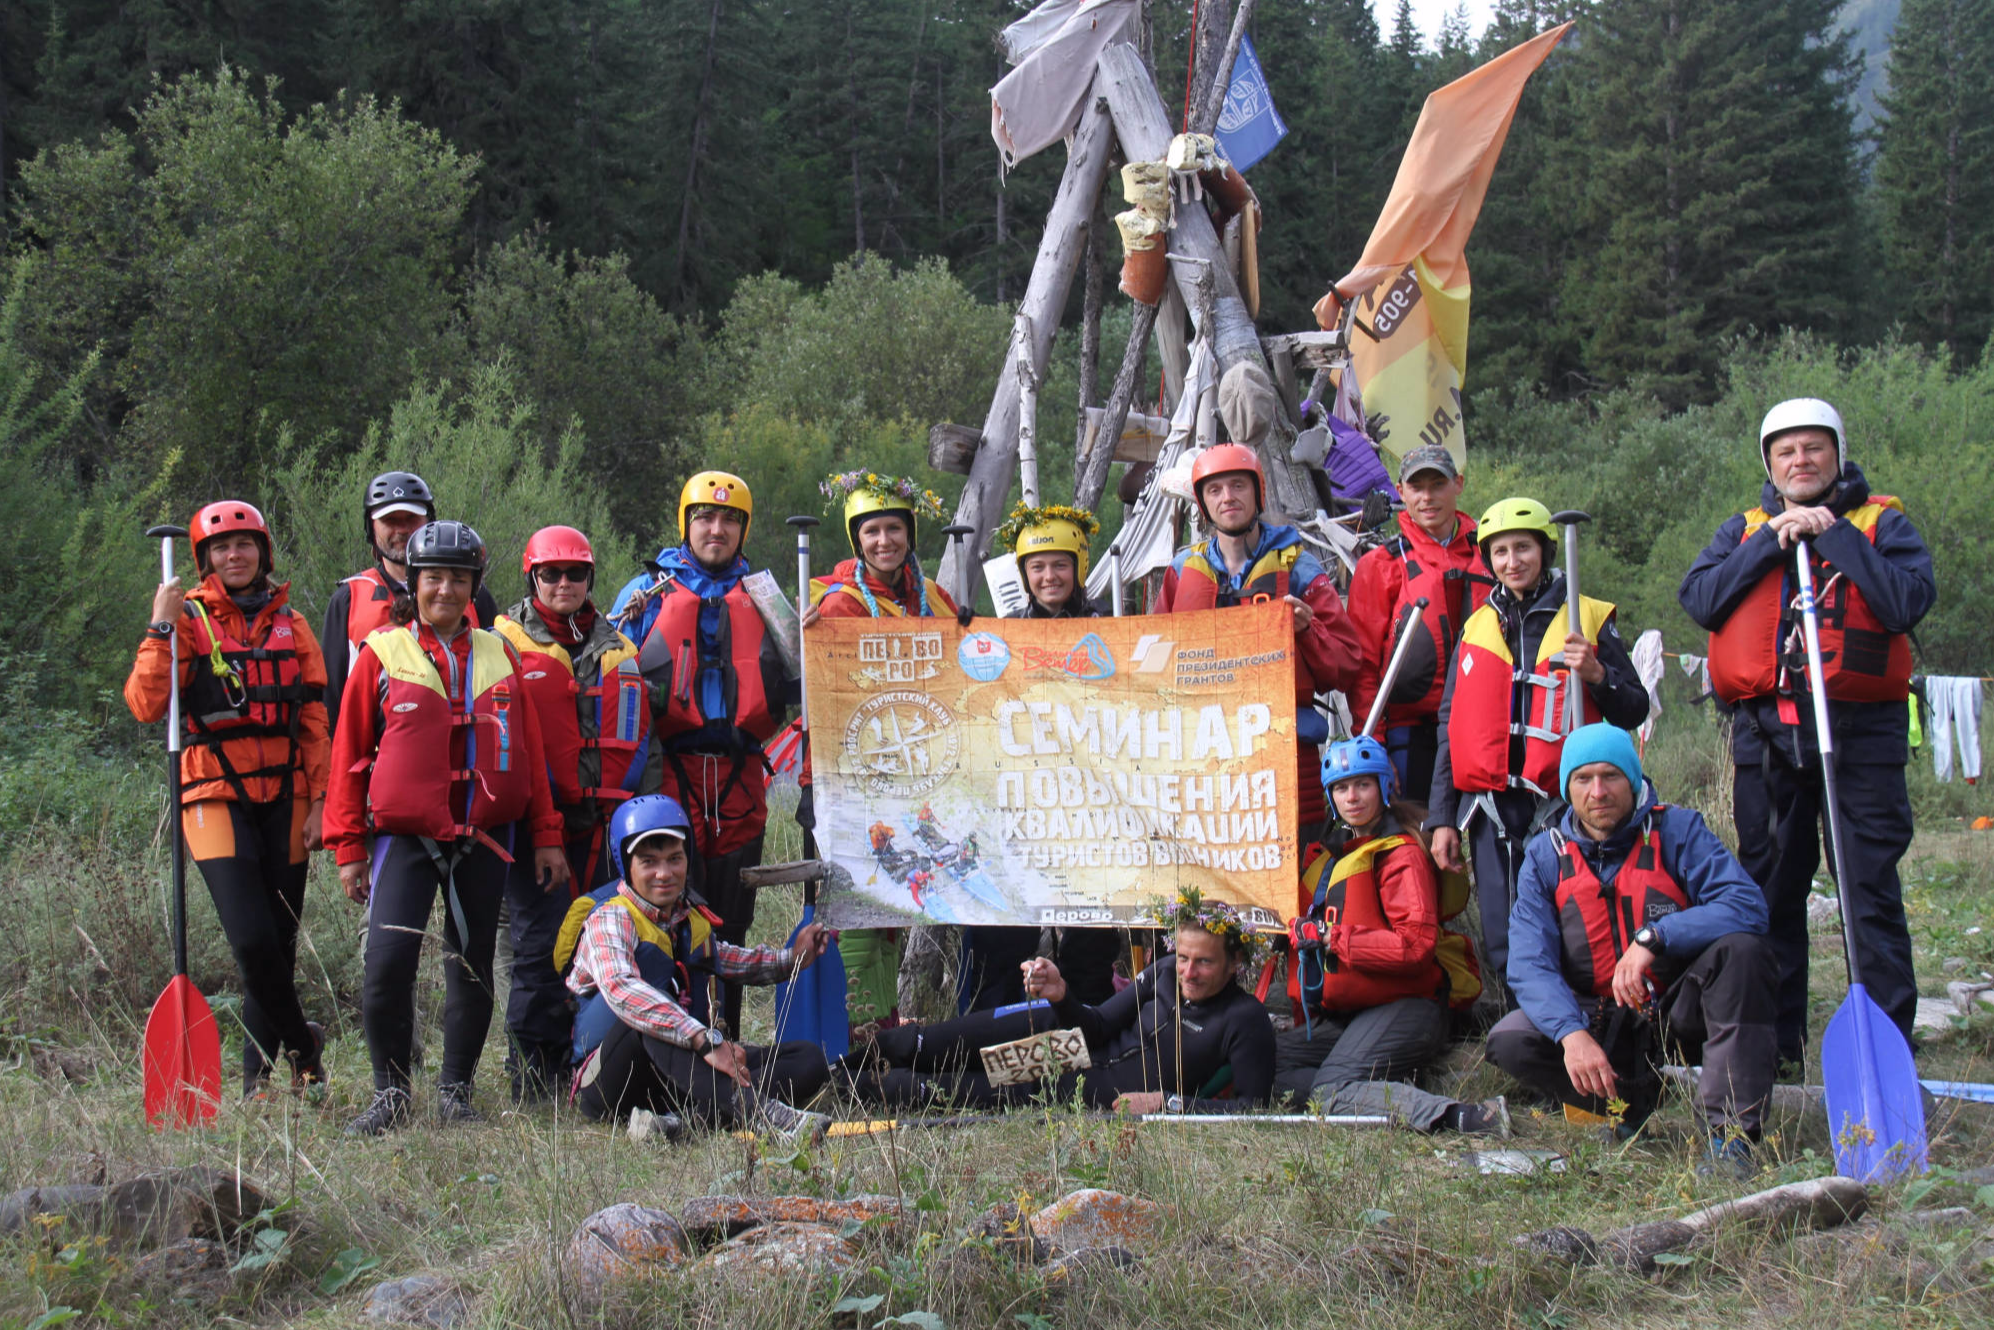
1053,771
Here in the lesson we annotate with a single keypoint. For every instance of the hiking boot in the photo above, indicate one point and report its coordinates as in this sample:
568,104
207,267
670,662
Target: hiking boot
794,1124
1488,1118
1728,1159
392,1107
538,1073
648,1126
453,1103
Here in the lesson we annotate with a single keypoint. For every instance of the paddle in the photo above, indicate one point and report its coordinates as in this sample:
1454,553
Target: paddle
183,1048
1568,521
1876,1115
812,1006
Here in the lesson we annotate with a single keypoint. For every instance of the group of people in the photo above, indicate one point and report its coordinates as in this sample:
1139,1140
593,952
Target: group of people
602,777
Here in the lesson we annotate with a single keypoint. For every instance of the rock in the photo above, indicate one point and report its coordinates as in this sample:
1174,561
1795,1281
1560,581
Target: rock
1095,1218
1952,1216
1008,1227
153,1210
192,1268
1963,993
1573,1245
625,1242
783,1247
1954,964
431,1300
1975,1177
81,1205
709,1217
1824,913
1076,1266
1635,1247
1934,1016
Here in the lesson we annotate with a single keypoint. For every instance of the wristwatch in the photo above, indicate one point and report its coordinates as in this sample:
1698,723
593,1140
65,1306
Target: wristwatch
715,1037
160,628
1650,939
1174,1104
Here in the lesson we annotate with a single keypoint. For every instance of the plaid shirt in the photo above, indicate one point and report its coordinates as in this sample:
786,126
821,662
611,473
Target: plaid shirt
606,961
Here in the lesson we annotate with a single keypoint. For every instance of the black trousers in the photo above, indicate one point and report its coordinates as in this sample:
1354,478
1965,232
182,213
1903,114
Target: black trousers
406,883
927,1063
992,955
630,1069
252,856
1719,1012
720,884
1413,749
1495,848
538,1015
1778,809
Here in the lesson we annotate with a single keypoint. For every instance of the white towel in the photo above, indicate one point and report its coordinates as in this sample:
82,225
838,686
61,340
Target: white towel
1697,665
1955,706
1648,666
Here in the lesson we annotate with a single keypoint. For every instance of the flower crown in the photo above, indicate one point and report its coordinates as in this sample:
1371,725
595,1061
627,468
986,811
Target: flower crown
900,491
1191,910
1023,516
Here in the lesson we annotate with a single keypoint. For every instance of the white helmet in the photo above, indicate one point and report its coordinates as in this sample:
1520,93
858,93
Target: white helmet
1802,413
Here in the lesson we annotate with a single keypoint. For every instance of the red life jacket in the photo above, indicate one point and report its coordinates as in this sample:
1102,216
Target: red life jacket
610,716
1597,921
845,578
1861,661
447,768
1345,891
1200,586
1484,715
1452,594
258,694
369,598
672,658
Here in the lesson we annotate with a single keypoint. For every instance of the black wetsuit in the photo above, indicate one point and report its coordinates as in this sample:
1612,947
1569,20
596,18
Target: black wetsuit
1136,1039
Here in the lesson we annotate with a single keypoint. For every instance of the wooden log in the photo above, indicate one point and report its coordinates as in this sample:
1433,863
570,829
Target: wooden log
776,875
1310,350
952,448
1091,302
1060,248
1206,120
1087,494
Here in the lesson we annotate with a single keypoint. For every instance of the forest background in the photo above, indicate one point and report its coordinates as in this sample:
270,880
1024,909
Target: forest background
556,256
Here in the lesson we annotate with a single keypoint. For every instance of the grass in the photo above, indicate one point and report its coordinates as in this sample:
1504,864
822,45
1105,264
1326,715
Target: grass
1265,1225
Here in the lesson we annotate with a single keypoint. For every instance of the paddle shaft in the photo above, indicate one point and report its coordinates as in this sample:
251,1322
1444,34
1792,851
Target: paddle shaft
1386,684
1824,738
173,771
802,525
1574,616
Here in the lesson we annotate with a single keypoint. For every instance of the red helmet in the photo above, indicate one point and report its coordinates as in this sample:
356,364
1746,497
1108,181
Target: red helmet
556,544
223,516
1223,460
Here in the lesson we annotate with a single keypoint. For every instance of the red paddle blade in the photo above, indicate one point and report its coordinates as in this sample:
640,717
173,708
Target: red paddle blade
183,1058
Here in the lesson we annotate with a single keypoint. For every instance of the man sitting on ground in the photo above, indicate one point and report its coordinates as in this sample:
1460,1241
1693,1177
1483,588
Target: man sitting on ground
1636,932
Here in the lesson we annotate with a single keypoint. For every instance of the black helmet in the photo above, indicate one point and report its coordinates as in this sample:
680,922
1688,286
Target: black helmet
447,545
391,488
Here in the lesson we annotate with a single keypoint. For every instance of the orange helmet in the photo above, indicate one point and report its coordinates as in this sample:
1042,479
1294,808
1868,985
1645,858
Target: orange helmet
555,544
1223,460
220,518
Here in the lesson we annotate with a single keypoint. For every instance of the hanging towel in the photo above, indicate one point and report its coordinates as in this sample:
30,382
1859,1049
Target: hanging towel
1648,667
1695,666
1054,49
1955,706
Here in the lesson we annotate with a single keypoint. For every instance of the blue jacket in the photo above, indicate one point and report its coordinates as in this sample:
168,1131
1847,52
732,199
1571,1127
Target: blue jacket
676,564
1722,899
1895,578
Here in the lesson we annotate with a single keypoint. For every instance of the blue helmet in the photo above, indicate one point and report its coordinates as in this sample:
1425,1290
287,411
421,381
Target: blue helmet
646,815
1362,756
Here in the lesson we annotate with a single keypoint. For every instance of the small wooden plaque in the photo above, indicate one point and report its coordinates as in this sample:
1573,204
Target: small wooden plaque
1025,1060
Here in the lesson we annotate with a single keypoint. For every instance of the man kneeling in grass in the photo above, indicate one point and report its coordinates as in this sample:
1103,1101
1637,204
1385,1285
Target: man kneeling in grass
1635,933
644,1037
1184,1029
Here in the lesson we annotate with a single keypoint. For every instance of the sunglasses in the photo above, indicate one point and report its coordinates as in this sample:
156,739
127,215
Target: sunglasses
550,574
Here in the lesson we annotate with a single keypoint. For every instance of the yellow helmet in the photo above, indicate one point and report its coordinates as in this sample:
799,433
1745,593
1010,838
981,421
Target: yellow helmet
718,489
1518,515
863,503
1053,535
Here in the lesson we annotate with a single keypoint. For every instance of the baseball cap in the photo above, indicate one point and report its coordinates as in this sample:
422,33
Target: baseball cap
388,509
1428,457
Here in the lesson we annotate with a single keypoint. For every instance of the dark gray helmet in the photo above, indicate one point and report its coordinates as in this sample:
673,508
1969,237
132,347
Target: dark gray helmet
391,488
447,545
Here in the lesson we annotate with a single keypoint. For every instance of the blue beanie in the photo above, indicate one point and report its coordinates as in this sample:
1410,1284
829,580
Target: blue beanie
1599,743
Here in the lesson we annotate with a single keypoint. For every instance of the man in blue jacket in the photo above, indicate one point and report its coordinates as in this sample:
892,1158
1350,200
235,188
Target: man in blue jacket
1635,933
1873,577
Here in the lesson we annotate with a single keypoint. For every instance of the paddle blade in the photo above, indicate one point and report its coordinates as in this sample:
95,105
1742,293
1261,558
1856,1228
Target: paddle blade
813,1007
1875,1112
182,1059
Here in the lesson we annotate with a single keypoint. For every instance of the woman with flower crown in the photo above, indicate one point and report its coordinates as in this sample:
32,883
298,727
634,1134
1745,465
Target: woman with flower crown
883,578
1181,1033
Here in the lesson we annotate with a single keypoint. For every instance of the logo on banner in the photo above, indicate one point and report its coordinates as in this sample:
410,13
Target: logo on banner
900,658
1088,660
1152,654
983,656
902,743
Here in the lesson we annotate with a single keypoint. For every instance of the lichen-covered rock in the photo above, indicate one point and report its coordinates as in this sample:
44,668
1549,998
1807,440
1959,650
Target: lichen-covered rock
1096,1218
625,1242
430,1300
1087,1261
709,1217
781,1248
1573,1245
153,1210
1952,1216
1007,1227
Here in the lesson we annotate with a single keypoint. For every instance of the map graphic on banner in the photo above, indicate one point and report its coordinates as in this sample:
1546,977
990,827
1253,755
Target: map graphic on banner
1053,771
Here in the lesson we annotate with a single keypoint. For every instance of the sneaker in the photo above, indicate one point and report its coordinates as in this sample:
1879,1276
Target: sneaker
794,1124
1488,1118
453,1103
646,1125
390,1108
1729,1159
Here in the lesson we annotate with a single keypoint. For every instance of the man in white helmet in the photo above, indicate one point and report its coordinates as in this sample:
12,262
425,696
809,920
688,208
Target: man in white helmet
1873,577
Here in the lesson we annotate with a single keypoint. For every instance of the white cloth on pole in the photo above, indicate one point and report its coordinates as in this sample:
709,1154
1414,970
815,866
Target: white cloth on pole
1694,666
1054,49
1648,667
1148,538
1955,704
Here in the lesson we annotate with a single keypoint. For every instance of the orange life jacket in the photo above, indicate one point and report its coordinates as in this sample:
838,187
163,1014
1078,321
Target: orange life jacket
1345,891
1452,594
1597,921
609,717
1484,712
447,768
1861,661
259,694
1200,586
844,578
672,660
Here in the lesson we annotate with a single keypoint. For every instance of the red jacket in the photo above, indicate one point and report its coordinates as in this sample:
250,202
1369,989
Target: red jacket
1379,600
356,741
1387,924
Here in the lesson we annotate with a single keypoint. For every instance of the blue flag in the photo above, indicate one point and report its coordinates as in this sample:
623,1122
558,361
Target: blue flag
1249,126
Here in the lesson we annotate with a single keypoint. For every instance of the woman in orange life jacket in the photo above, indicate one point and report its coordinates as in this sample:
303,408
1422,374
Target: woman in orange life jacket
882,579
252,769
1367,971
438,754
1502,726
595,725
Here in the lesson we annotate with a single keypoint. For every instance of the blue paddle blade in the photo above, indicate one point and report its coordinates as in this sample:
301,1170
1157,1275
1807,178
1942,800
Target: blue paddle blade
1979,1092
813,1008
1875,1112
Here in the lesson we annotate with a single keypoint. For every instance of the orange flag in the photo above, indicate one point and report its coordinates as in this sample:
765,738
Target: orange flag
1411,285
